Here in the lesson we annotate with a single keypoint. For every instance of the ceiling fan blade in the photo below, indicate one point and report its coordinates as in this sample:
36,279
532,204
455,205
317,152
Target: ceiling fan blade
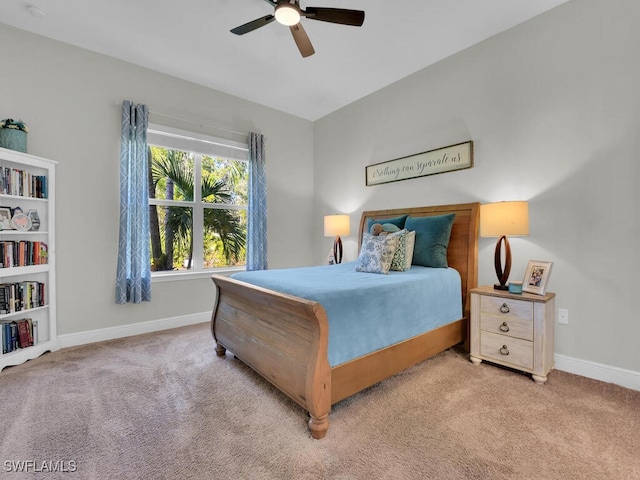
251,26
342,16
302,40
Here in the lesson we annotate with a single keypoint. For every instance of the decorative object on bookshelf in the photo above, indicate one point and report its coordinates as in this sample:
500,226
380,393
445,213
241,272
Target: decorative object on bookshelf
5,218
13,134
20,221
35,219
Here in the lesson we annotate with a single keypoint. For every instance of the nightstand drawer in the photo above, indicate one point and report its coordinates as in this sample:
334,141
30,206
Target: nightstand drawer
507,325
506,307
506,350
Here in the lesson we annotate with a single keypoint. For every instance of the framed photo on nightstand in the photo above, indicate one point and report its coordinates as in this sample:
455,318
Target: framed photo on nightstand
536,276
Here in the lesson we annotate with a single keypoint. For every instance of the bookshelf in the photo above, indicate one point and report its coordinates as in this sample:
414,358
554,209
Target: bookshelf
27,255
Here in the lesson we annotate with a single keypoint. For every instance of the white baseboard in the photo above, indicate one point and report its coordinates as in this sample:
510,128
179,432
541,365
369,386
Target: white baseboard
585,368
598,371
111,333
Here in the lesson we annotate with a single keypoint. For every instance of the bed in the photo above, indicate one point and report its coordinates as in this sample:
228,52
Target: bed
285,337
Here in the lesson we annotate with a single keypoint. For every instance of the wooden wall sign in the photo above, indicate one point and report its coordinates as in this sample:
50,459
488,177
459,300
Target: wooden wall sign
441,160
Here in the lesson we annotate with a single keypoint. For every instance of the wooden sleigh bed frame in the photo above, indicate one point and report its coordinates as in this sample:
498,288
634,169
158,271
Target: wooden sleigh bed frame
284,338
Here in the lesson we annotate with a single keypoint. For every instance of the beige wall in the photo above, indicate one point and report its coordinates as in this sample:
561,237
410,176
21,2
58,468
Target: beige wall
553,108
70,99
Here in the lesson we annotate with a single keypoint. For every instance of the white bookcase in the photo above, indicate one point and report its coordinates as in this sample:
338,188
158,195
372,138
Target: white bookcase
23,271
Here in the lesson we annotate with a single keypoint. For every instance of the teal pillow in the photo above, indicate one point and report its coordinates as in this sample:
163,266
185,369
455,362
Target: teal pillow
397,221
432,239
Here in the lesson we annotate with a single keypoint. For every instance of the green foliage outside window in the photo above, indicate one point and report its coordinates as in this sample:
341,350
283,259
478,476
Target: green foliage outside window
223,185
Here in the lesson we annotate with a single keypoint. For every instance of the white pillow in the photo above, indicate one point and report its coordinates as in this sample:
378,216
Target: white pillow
377,252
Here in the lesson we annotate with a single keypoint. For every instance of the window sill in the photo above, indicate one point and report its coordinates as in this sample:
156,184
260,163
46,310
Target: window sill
174,276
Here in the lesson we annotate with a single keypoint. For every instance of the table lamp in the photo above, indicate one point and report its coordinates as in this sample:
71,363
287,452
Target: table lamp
499,220
336,225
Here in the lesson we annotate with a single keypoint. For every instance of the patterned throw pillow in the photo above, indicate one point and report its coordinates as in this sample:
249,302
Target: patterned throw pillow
404,253
376,253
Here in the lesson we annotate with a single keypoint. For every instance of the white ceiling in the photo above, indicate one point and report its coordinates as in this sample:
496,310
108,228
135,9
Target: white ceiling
191,40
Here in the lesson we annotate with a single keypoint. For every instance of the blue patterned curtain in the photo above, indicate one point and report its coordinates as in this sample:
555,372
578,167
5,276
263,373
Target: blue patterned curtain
133,277
257,221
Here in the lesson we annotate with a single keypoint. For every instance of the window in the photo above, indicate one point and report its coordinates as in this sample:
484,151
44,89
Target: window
197,201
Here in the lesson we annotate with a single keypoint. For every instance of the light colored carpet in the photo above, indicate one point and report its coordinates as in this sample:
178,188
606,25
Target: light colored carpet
163,406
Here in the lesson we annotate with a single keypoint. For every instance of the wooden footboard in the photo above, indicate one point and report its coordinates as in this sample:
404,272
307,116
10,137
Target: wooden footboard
282,337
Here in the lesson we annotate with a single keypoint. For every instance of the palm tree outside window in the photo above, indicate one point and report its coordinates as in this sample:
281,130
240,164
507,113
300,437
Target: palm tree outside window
198,196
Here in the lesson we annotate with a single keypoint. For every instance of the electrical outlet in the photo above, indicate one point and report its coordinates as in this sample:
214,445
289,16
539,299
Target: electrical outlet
563,316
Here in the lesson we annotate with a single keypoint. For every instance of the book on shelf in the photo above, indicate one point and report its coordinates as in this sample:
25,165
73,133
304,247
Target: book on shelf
7,298
18,296
9,336
23,253
34,331
18,182
25,336
4,301
18,334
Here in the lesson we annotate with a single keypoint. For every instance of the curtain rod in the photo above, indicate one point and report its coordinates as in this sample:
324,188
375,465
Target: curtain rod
201,124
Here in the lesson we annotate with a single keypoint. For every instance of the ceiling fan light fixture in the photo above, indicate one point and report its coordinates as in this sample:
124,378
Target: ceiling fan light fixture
287,14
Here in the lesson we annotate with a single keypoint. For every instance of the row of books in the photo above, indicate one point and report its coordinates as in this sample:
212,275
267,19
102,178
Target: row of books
22,253
14,181
19,296
19,334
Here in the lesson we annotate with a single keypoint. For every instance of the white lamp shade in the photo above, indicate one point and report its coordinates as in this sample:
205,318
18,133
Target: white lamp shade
504,218
337,225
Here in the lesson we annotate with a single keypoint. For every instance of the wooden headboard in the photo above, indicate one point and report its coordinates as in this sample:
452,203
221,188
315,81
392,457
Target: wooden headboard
462,253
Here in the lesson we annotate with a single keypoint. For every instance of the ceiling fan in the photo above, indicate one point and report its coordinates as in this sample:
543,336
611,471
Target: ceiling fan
288,12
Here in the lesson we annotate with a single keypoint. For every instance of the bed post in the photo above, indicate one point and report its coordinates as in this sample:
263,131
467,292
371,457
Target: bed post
318,382
281,337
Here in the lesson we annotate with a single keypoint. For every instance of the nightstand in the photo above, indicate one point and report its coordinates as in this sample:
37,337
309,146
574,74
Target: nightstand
513,330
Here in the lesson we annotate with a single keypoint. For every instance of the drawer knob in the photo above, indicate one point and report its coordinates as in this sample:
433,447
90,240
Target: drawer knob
504,327
504,350
504,308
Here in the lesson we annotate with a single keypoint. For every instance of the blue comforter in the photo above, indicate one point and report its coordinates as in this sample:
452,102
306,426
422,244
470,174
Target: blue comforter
369,311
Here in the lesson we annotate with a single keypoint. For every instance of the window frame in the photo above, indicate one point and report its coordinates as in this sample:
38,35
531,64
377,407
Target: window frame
200,145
